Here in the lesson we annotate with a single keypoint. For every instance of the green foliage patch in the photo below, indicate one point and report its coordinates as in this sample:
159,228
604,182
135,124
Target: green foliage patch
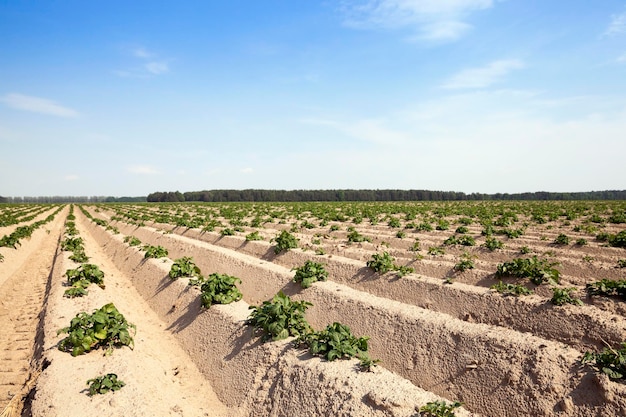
609,361
309,273
105,383
280,318
184,267
219,289
284,242
105,327
538,270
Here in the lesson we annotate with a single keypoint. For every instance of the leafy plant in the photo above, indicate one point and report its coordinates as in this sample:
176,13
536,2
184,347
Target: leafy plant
79,256
220,289
561,239
284,242
436,250
466,262
439,409
77,290
621,263
309,273
538,270
356,237
415,247
184,267
581,241
280,318
227,231
618,240
461,230
334,342
511,289
89,273
105,383
155,251
72,244
106,327
254,236
607,287
492,244
609,361
561,296
524,250
132,241
381,263
402,270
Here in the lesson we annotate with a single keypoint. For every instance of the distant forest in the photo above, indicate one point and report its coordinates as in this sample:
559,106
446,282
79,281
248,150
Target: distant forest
253,195
71,199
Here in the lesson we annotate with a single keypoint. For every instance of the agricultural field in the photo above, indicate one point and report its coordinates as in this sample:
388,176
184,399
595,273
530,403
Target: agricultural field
344,309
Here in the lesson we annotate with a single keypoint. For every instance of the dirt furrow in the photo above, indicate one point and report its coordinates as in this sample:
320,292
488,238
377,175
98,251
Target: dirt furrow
23,292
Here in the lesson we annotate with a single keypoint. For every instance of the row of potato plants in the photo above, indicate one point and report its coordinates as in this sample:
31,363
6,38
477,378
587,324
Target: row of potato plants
105,327
281,317
460,238
19,214
538,270
12,240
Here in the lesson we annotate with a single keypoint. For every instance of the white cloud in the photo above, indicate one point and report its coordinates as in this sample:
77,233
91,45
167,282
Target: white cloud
157,67
435,20
617,25
142,170
247,170
141,52
37,105
483,76
71,177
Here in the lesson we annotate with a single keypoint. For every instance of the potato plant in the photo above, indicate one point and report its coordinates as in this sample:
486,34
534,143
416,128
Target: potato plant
220,289
309,273
105,327
538,270
104,383
609,361
184,267
284,242
334,342
439,409
280,318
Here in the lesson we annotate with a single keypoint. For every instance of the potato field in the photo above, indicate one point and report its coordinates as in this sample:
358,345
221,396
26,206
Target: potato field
310,309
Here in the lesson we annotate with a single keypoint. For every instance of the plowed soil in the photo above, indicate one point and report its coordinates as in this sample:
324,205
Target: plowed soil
440,334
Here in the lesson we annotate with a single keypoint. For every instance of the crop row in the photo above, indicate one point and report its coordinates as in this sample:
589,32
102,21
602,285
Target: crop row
584,330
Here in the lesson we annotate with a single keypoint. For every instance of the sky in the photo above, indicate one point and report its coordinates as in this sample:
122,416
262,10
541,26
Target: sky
120,98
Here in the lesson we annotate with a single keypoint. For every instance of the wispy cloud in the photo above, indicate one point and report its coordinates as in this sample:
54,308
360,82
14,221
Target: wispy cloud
617,25
434,20
71,177
483,76
141,52
247,170
621,58
37,105
157,67
149,64
142,170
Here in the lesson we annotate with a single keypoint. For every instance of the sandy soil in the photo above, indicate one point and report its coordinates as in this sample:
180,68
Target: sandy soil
501,356
160,378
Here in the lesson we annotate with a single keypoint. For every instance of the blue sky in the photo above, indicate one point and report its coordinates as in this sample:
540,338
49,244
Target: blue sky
126,98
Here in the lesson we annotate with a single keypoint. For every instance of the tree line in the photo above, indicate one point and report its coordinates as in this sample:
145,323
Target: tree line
260,195
70,199
263,195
